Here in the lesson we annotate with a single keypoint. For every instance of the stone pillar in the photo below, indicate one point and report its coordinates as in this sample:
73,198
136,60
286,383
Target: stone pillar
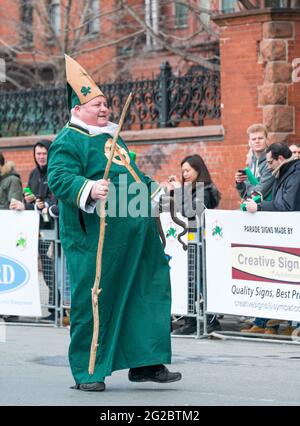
278,115
257,51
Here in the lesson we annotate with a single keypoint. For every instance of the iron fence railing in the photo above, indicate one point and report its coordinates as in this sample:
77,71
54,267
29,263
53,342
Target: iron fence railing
165,101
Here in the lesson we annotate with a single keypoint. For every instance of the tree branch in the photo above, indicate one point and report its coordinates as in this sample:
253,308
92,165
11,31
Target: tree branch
185,55
112,43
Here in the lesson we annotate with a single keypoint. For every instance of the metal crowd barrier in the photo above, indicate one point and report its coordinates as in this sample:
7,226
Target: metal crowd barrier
53,278
56,294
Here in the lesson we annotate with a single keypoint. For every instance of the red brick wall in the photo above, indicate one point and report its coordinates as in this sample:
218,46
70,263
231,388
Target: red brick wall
294,88
240,75
23,160
9,16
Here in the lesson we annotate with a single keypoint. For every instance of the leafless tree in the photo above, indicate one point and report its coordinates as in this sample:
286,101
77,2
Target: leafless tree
36,57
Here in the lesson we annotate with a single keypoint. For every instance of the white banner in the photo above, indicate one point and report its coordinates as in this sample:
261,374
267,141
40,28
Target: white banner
178,264
19,287
253,263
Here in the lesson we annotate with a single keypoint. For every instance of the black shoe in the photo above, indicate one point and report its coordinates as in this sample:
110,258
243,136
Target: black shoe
10,318
154,373
185,330
50,317
90,387
214,326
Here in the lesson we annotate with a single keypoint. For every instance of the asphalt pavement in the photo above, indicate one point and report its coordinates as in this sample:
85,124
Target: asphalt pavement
34,370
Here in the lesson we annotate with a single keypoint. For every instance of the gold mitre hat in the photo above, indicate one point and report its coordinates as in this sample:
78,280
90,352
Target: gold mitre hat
80,85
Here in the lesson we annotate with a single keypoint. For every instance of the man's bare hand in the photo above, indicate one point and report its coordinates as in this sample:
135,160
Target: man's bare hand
16,205
251,206
100,190
30,198
240,177
40,204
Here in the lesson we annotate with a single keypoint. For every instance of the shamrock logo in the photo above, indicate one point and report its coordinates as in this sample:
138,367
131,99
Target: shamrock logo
21,241
217,230
85,90
171,232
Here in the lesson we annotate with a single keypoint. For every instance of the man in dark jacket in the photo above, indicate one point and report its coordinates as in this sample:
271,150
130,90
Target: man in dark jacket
285,197
41,198
286,189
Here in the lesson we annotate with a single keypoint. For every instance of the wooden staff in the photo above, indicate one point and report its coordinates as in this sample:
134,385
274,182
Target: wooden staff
96,288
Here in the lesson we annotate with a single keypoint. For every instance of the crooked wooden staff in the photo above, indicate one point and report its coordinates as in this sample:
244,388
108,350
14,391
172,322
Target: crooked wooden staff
96,290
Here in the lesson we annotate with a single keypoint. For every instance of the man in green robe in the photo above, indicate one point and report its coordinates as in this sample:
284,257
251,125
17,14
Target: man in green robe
134,304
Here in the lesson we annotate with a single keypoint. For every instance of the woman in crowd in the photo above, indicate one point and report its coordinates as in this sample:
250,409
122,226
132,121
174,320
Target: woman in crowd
192,193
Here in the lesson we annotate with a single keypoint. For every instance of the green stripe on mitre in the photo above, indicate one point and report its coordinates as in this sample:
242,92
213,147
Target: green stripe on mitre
72,97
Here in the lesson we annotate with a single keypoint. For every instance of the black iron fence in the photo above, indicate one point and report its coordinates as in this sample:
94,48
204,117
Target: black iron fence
165,101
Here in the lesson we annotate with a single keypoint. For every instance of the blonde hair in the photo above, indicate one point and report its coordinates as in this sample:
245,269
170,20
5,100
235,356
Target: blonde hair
254,128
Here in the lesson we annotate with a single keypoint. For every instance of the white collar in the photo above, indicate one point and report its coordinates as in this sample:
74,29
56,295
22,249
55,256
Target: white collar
95,130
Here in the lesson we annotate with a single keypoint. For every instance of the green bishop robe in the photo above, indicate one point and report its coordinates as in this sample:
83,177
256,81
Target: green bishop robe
135,302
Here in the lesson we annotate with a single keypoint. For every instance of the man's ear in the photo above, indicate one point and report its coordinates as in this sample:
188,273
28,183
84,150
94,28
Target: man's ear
76,109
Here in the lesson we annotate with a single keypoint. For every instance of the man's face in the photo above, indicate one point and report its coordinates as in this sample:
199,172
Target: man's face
258,142
41,155
94,112
272,163
295,150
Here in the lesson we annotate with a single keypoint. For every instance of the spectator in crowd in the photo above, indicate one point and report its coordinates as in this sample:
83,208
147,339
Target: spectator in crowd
11,193
192,193
261,179
295,148
257,139
285,197
135,301
42,199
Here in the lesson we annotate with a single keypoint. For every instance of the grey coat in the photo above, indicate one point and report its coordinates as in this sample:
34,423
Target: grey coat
10,185
261,171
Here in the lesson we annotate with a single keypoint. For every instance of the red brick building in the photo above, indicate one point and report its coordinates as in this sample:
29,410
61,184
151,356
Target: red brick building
112,39
258,50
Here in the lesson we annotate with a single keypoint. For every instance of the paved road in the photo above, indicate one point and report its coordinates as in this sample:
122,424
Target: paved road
34,371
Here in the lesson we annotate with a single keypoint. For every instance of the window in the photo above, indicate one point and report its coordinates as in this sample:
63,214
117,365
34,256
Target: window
2,71
27,19
54,15
276,3
228,6
205,17
93,21
181,15
151,18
